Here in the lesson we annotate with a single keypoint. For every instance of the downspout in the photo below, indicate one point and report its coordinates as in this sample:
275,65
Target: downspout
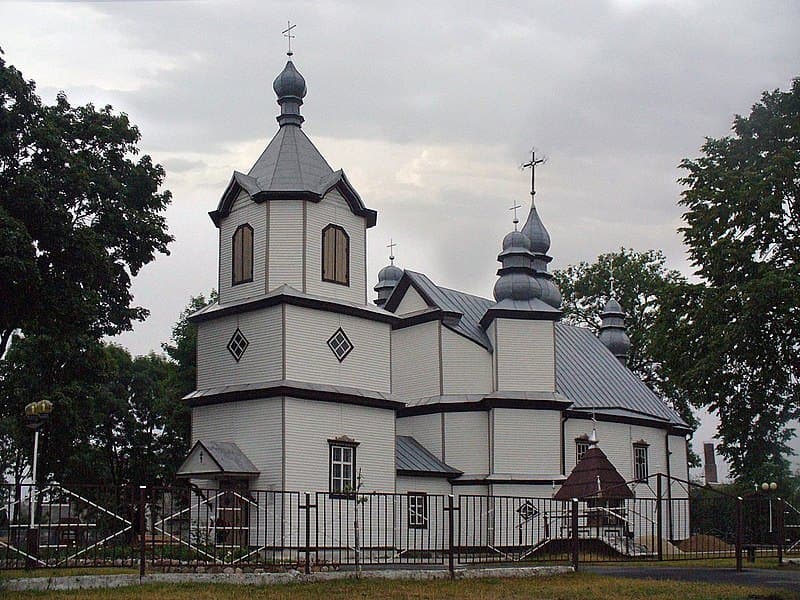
564,419
669,489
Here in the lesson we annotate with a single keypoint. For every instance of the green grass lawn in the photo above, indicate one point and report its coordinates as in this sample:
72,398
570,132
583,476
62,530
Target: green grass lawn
65,572
573,586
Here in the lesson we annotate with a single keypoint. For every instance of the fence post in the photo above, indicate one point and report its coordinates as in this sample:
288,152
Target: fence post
660,519
307,508
142,525
575,540
451,563
780,530
739,526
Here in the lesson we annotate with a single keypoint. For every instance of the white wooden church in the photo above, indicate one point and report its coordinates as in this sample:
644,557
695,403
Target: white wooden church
305,378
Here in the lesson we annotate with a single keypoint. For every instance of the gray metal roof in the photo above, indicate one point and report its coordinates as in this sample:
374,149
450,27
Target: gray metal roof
592,377
291,163
411,456
226,455
471,307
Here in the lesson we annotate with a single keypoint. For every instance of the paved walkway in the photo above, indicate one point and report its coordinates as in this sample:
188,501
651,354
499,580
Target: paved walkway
784,579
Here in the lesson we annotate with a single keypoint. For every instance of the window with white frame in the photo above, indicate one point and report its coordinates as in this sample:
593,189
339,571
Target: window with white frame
581,446
640,461
342,467
417,510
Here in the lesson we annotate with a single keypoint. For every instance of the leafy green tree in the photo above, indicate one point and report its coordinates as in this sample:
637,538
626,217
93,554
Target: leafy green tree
79,215
640,281
739,329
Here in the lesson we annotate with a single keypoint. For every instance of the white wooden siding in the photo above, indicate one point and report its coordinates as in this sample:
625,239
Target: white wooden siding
254,426
525,355
262,361
466,366
466,445
334,209
616,441
309,426
525,490
426,429
415,361
286,244
308,357
244,210
678,464
411,302
429,485
526,441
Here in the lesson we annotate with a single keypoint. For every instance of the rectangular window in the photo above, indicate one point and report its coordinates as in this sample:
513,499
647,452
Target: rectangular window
417,510
640,462
335,255
342,469
242,248
581,446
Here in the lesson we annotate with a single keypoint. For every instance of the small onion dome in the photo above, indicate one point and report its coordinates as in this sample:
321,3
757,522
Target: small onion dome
289,83
388,277
516,280
536,232
290,87
612,331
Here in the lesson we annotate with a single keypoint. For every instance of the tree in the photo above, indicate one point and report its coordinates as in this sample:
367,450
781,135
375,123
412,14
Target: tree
739,329
78,215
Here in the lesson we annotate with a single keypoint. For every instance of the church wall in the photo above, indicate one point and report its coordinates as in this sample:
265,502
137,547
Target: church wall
429,485
525,355
466,366
526,441
254,426
411,302
262,361
334,209
308,357
426,429
466,445
309,426
616,441
285,244
244,210
525,490
416,371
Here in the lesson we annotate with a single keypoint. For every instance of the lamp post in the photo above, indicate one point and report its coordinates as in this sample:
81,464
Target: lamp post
768,488
36,414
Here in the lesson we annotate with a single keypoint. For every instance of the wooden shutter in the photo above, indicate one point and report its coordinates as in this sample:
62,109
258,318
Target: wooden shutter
247,253
329,254
237,256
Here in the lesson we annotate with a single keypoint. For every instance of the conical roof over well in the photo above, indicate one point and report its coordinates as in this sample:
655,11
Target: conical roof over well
594,477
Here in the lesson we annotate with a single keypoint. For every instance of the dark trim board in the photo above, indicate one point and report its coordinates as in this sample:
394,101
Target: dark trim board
438,474
643,421
279,390
483,405
537,481
294,301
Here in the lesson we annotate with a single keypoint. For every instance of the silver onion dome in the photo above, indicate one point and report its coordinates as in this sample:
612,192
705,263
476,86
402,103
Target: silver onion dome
612,331
388,277
290,87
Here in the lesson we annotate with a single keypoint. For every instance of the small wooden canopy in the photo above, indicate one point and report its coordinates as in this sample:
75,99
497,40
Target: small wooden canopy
213,460
594,477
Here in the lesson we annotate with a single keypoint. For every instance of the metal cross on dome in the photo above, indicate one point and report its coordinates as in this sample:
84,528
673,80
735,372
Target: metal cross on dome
287,33
532,165
516,219
391,245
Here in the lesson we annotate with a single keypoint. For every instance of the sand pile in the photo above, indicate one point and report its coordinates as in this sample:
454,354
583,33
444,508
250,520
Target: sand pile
704,543
651,543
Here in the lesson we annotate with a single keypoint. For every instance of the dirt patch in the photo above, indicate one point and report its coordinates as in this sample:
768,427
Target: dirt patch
704,543
650,543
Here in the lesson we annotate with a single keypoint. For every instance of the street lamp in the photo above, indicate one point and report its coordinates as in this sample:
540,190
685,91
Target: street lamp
36,414
767,488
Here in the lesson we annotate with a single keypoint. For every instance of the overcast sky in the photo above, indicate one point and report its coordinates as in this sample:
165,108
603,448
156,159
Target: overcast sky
429,107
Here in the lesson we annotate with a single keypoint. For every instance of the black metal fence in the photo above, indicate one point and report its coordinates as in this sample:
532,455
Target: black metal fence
188,528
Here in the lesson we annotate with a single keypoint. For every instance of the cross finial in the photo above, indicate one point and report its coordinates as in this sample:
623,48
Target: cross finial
612,285
516,220
532,164
391,246
287,33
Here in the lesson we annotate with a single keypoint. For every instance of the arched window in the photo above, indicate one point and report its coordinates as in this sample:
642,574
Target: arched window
335,255
242,254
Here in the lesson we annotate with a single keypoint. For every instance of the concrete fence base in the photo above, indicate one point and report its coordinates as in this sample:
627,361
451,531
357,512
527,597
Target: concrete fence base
114,581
